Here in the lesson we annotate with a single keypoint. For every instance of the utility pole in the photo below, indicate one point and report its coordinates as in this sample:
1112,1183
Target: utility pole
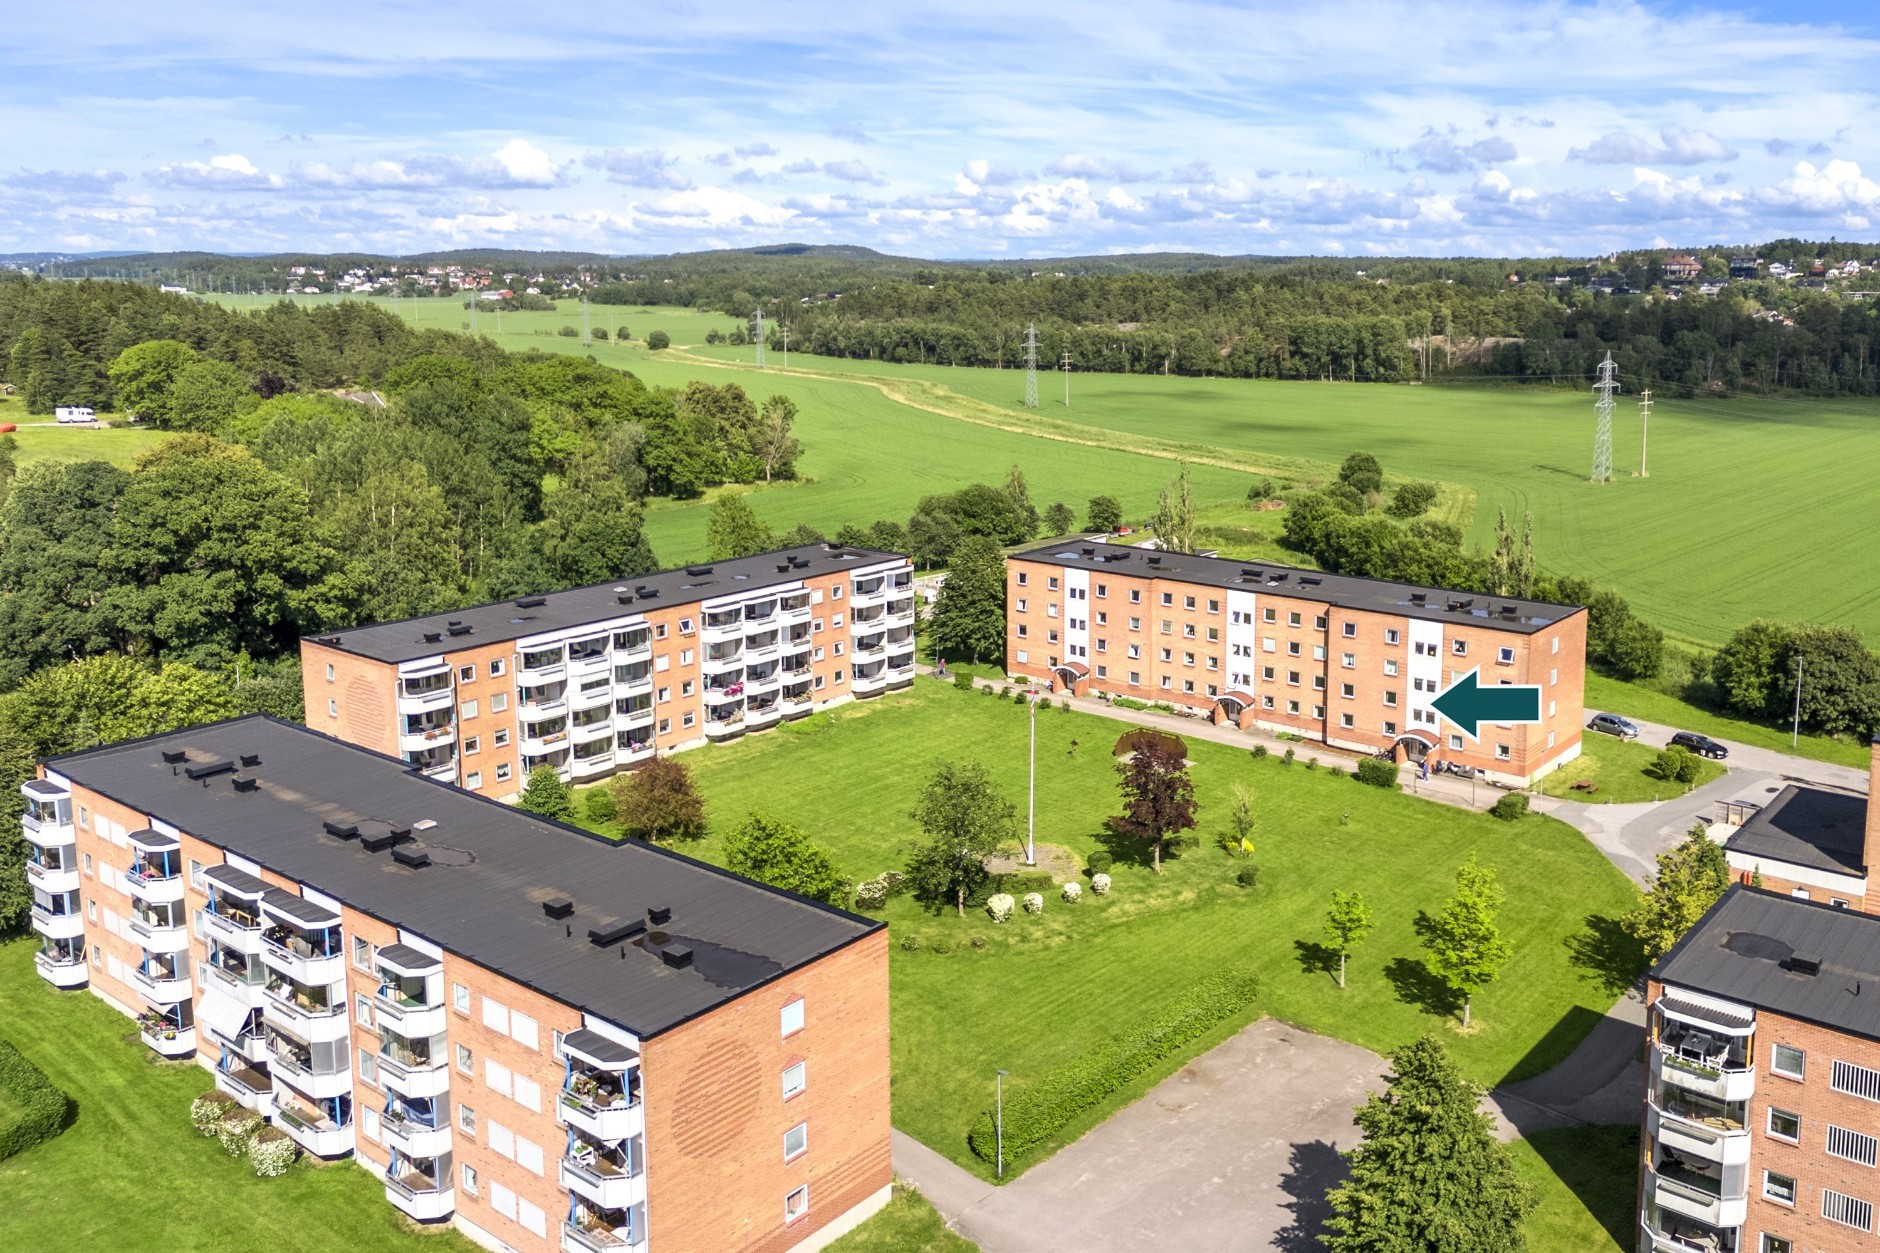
1602,432
757,336
998,1121
1064,363
1031,366
783,340
1795,732
1644,429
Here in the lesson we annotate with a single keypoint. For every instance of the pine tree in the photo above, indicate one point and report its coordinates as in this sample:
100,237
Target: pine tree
1501,561
1428,1175
1524,564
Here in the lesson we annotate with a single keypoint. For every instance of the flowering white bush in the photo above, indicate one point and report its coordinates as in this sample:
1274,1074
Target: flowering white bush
272,1153
1100,884
238,1130
207,1111
1072,892
999,906
1034,903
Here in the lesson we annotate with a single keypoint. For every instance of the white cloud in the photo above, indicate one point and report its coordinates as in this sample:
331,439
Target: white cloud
1445,155
1681,147
851,171
648,167
230,171
1835,187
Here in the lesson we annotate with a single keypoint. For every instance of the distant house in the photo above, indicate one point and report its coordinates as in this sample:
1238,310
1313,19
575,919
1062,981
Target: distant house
1745,267
1682,266
1710,286
1778,270
1850,266
174,289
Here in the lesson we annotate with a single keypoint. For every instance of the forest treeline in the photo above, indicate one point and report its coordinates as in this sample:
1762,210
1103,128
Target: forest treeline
1303,324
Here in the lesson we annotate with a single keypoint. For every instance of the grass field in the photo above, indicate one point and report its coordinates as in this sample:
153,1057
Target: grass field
41,439
1585,1180
1618,768
1044,989
908,1225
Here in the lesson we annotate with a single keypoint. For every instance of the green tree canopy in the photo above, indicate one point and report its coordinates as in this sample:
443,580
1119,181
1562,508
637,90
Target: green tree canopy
772,851
969,615
1690,879
1104,513
144,375
966,819
1158,795
657,801
546,794
1347,922
733,529
1464,942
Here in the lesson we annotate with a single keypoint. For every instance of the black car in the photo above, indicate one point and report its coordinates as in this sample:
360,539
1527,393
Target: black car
1702,745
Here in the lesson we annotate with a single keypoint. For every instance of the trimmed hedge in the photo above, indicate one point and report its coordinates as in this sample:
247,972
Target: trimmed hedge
1040,1109
1376,771
43,1106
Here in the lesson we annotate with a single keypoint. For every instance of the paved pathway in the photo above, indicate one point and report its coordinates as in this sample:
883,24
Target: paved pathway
1766,760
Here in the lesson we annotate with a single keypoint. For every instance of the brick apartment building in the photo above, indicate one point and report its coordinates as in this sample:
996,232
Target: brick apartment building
1351,662
1762,1114
549,1040
596,679
1818,843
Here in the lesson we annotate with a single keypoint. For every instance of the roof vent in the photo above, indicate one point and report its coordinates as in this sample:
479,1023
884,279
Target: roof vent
531,602
341,830
459,628
607,937
1306,580
250,760
698,569
783,567
678,956
1805,963
624,598
433,637
659,916
401,835
376,842
1155,559
1418,598
174,757
246,783
558,907
208,769
416,858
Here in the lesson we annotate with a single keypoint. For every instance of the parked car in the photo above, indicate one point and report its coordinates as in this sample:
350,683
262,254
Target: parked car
1702,745
1613,724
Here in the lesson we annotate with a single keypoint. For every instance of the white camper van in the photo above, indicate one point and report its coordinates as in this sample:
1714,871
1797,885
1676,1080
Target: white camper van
67,414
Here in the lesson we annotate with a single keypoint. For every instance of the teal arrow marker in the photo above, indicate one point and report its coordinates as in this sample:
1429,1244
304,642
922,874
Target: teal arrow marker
1468,704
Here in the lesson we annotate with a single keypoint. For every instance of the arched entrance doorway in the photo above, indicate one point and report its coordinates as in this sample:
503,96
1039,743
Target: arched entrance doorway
1235,707
1070,676
1415,747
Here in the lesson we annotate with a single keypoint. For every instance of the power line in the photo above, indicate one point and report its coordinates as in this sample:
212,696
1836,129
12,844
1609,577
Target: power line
1602,432
1031,366
1064,363
1644,428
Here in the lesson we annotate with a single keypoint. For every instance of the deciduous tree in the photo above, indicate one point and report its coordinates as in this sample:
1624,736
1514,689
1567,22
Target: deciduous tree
1104,513
966,819
1059,519
774,443
772,851
969,615
1428,1175
732,529
143,375
1464,942
1347,922
657,802
546,794
1158,795
1174,521
1689,880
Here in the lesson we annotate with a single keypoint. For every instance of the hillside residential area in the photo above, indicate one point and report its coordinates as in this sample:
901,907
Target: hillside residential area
1243,627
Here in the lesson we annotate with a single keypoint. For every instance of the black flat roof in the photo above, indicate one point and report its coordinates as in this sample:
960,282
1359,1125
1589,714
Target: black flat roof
1739,951
491,868
1472,609
600,602
1808,826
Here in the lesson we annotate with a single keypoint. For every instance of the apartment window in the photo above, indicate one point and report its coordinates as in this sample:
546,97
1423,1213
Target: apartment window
663,695
659,630
466,674
795,1141
665,726
1135,678
792,1017
1021,604
497,667
1351,630
795,1079
1778,1188
1855,1080
1348,661
470,1180
1455,743
1292,707
1267,672
330,674
796,1204
1788,1061
460,998
1103,591
1266,702
685,656
1135,596
1103,672
364,1013
1504,656
1348,690
685,624
1346,721
1270,615
1503,752
1050,582
1852,1145
1390,698
1188,659
332,709
1391,636
500,738
1292,649
1188,630
499,702
1292,678
87,860
1776,1244
1390,728
368,1062
466,1120
1023,578
1785,1126
1846,1210
466,1062
468,710
685,688
1459,647
1292,619
361,953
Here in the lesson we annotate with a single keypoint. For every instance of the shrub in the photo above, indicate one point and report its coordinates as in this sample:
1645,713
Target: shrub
1259,751
1288,758
872,893
940,947
999,907
1099,862
1034,903
1248,876
1005,691
657,340
568,332
1064,704
910,943
1411,500
1019,697
272,1152
1511,807
238,1130
1376,771
208,1111
1312,763
1100,884
41,1104
1072,892
963,681
1676,764
1038,1110
602,808
979,941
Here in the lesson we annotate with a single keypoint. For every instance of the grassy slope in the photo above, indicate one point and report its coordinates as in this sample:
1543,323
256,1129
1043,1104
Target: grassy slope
1618,767
1084,970
130,1173
910,1224
1585,1180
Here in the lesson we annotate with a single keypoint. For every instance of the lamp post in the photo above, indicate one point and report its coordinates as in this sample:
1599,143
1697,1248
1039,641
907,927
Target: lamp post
998,1121
1795,731
1031,797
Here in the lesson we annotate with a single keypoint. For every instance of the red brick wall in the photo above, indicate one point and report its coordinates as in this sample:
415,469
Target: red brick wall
490,723
363,693
716,1116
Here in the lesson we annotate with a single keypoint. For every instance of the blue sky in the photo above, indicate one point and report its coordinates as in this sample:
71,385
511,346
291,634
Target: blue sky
963,129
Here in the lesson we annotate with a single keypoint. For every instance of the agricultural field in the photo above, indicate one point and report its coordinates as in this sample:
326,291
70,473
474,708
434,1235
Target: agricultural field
1045,989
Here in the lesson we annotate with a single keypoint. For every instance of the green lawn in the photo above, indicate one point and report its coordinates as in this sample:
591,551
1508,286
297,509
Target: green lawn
1586,1182
1618,768
908,1225
41,439
1043,989
131,1174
